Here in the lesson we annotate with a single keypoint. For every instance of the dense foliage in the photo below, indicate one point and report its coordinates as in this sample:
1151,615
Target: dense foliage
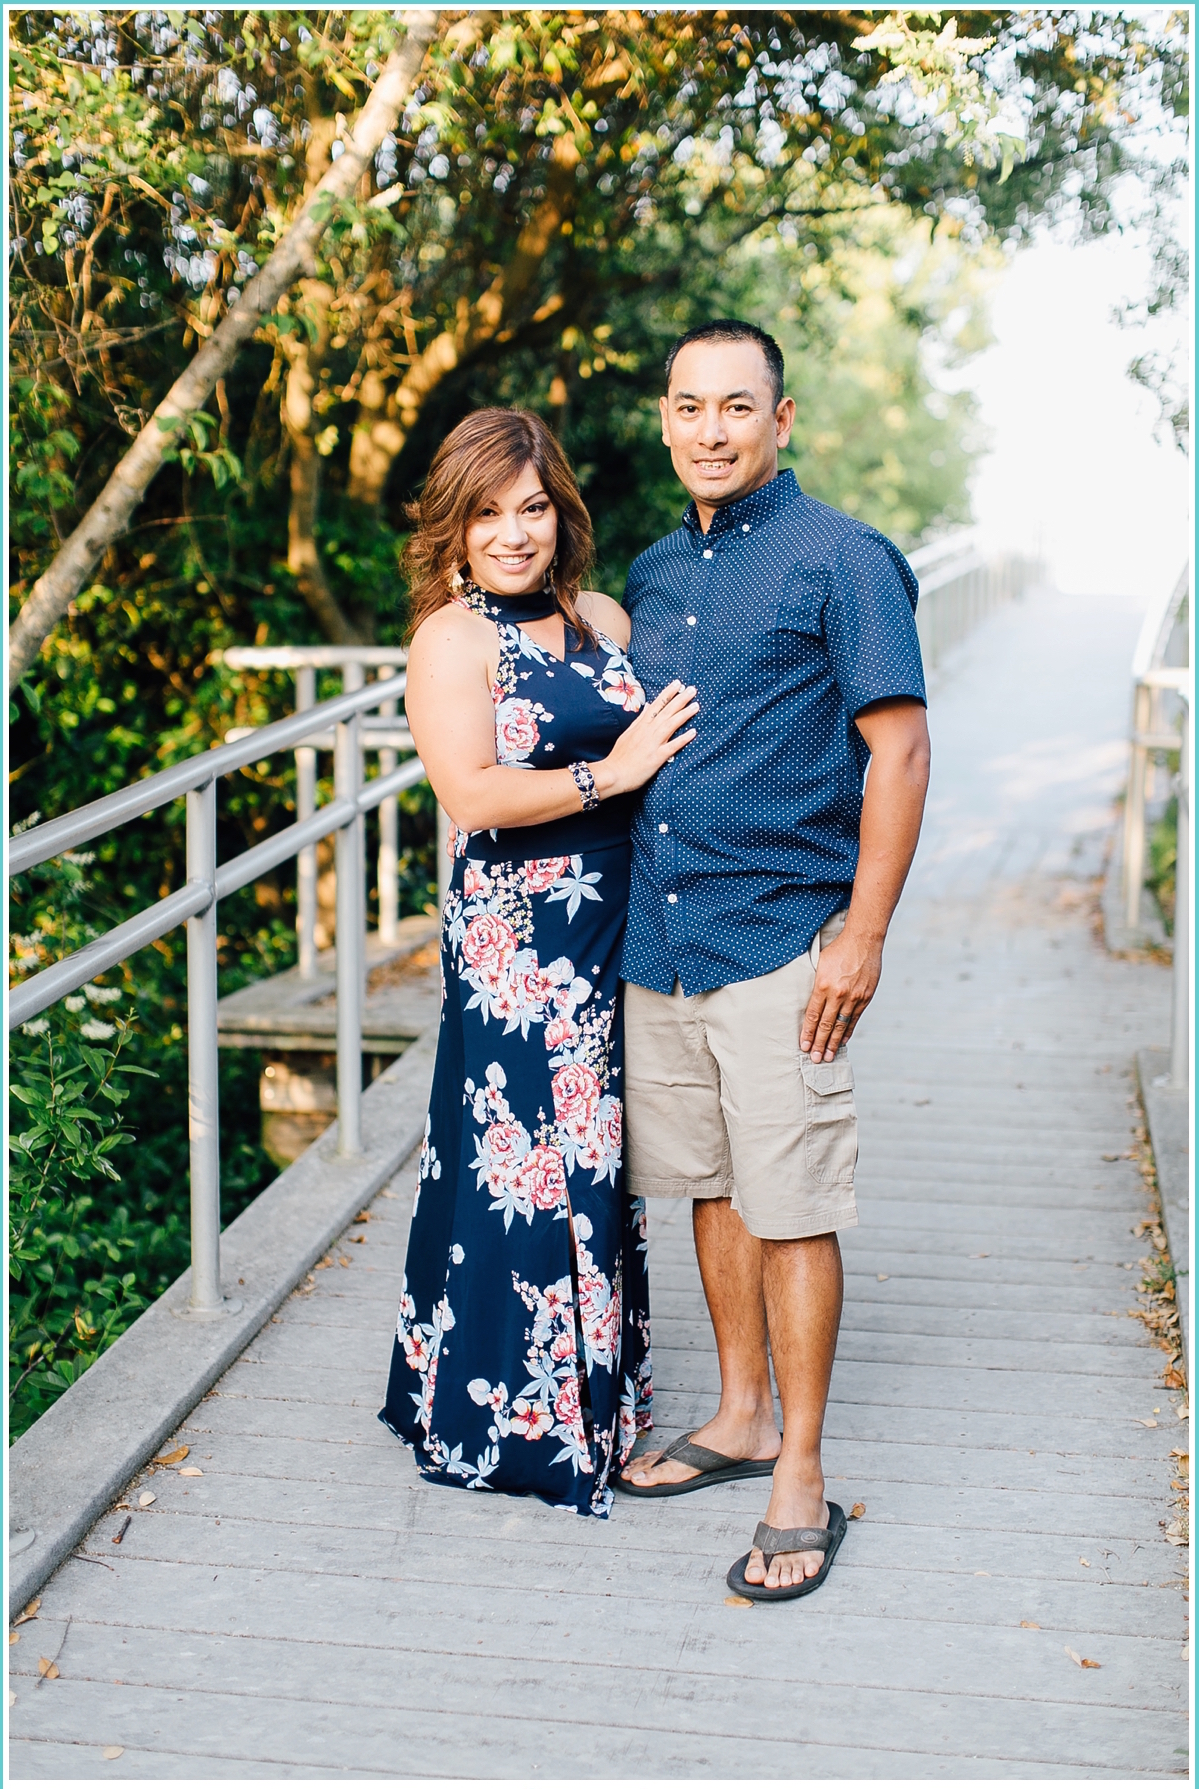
565,192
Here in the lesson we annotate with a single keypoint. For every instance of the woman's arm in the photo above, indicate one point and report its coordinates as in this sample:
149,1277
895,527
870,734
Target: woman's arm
452,717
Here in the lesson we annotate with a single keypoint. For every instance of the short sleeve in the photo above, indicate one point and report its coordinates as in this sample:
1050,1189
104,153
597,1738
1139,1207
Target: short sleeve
870,623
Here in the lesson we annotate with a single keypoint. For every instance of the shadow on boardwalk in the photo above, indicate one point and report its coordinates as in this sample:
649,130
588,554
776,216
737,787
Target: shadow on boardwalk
308,1608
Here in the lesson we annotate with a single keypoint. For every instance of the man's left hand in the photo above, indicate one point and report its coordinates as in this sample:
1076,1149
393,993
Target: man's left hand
846,978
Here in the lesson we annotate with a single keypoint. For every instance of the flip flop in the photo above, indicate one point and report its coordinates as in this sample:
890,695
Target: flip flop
790,1540
711,1469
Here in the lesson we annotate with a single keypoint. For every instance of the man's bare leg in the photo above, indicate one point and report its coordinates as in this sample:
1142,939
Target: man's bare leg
803,1286
730,1265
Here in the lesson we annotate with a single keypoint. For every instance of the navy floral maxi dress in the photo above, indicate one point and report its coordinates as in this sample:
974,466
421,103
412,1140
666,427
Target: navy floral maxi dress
521,1361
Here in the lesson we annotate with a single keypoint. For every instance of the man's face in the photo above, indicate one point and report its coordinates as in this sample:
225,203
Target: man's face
720,422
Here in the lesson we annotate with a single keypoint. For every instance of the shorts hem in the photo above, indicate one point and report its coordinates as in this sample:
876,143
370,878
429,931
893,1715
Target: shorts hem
644,1186
775,1227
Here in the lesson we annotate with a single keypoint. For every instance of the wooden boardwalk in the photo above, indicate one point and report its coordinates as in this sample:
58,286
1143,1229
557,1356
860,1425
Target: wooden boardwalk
308,1608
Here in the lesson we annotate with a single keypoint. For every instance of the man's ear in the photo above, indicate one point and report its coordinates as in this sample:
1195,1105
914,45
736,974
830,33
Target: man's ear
784,421
664,412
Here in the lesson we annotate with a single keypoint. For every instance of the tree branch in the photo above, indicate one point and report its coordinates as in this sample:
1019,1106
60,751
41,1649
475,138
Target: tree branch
63,579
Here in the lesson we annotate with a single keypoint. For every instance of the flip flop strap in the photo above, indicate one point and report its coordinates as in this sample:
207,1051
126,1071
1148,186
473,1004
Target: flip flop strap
693,1453
791,1540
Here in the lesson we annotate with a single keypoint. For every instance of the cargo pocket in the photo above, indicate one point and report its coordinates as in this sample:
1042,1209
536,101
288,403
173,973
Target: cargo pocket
830,1120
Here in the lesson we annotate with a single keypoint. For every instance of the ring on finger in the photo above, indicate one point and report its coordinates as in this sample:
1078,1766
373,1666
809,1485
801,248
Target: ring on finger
844,1018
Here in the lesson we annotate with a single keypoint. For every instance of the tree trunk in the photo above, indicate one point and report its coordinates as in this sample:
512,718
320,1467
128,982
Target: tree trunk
305,355
386,421
108,516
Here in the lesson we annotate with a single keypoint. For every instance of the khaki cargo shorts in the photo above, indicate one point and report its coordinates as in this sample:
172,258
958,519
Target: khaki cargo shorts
720,1103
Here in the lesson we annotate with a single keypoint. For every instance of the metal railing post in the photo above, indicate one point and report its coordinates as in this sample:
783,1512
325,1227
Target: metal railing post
351,929
1134,807
305,808
203,1104
1180,1029
389,835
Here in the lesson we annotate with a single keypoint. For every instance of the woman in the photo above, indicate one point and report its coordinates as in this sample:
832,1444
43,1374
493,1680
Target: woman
521,1360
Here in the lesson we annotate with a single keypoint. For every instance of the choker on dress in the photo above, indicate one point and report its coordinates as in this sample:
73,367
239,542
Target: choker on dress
528,605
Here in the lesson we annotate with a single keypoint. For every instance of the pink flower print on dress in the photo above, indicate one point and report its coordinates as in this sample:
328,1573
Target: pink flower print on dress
505,1145
541,1178
542,872
622,688
516,729
567,1407
559,1033
576,1091
474,882
530,1420
489,947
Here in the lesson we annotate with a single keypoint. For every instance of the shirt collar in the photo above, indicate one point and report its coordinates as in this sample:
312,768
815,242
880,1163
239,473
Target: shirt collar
747,512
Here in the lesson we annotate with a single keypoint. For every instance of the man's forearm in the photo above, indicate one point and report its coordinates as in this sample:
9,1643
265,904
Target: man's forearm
892,810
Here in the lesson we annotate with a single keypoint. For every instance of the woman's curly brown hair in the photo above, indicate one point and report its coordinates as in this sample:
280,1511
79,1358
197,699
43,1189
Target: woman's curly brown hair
480,458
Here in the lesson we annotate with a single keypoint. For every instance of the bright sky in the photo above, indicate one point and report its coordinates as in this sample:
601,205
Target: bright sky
1074,466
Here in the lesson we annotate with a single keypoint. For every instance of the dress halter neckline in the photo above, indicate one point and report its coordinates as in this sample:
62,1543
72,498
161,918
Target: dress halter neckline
529,605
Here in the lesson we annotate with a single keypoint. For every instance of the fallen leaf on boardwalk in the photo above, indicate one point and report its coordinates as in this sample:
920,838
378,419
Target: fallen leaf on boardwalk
1035,1624
327,1262
739,1602
1085,1664
190,1472
364,1217
1111,1158
47,1668
882,1276
1083,1561
1146,1422
13,1638
982,1574
857,1512
111,1752
12,1698
180,1453
980,1257
29,1611
343,1261
147,1498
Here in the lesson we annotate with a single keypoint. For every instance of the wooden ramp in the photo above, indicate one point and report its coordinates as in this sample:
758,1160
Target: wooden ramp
308,1608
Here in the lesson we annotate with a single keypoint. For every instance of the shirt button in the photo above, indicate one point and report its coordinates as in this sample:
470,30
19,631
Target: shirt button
662,826
691,621
672,899
745,527
707,552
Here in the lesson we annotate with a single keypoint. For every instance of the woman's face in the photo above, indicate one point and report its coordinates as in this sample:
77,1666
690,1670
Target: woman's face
511,542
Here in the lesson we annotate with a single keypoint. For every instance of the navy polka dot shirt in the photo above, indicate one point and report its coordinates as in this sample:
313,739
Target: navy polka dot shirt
789,618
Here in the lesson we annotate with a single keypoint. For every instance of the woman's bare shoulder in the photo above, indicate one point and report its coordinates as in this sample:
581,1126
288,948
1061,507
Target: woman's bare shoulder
606,615
452,626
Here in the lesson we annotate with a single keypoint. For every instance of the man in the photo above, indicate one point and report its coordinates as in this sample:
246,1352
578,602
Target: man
764,880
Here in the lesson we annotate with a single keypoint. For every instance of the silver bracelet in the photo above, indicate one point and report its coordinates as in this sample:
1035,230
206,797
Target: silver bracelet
585,784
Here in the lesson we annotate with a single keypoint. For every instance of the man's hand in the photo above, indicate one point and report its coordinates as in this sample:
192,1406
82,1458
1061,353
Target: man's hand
848,974
850,967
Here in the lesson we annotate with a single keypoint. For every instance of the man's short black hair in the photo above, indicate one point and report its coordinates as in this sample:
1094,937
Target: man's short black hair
731,329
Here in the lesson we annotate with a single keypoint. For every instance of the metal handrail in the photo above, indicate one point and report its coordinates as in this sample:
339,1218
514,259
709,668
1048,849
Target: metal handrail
959,586
1149,733
382,736
27,849
195,904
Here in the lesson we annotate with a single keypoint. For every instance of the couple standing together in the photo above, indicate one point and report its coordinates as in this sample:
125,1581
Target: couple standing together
661,807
